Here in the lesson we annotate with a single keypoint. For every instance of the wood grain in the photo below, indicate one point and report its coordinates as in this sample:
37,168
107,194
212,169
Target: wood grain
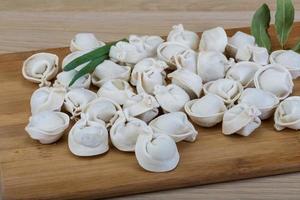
27,24
136,5
38,171
24,30
31,24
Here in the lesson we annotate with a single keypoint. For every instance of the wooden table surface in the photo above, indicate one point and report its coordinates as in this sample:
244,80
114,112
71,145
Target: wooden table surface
30,24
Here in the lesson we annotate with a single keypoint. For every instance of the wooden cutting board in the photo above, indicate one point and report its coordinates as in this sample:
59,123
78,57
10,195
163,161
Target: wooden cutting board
30,170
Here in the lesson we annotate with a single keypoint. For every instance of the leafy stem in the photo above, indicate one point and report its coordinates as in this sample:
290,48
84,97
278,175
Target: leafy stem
92,58
89,68
284,19
259,26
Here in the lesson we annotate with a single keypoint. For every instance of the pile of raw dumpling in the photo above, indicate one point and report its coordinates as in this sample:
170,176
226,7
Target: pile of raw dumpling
149,87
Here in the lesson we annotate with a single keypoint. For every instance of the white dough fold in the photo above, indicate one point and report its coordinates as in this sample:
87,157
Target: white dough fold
40,68
88,138
156,153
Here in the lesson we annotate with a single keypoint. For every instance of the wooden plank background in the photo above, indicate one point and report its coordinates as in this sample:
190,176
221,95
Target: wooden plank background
38,24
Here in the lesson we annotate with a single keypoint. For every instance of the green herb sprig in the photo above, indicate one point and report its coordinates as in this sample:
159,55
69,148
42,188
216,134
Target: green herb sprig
284,19
297,47
259,26
92,58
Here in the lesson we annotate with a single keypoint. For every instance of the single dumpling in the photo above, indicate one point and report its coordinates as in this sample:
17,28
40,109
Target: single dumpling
156,153
275,79
145,65
146,43
167,52
206,111
126,53
187,59
101,109
47,126
40,68
239,46
88,138
214,39
228,90
76,99
117,90
243,72
125,131
183,36
212,65
176,125
171,97
287,114
260,55
142,106
63,79
241,119
47,99
109,70
187,80
85,41
265,101
148,73
288,59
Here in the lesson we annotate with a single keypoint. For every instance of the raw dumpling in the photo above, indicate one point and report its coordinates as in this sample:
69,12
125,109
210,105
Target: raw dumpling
64,78
260,55
148,80
85,41
156,153
76,99
243,72
242,47
88,138
47,99
176,125
126,53
287,114
187,80
212,65
168,50
206,111
148,73
117,90
101,109
187,60
288,59
146,43
229,90
185,37
142,106
125,131
239,46
145,65
40,68
47,126
214,39
241,119
265,101
171,97
275,79
108,70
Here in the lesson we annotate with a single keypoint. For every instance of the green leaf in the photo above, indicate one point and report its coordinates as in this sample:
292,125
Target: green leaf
284,19
92,55
297,47
89,68
259,27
